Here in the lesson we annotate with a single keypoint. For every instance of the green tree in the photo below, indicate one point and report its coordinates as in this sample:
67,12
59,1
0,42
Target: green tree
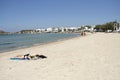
106,26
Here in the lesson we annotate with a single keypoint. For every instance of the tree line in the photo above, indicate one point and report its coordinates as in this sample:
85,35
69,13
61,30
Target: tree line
107,26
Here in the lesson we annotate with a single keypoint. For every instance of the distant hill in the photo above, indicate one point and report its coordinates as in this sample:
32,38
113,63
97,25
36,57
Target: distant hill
3,32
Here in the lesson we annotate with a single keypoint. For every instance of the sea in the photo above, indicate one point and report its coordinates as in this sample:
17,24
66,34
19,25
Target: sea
9,42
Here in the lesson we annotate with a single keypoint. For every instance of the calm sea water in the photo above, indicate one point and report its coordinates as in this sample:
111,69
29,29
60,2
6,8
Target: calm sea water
10,42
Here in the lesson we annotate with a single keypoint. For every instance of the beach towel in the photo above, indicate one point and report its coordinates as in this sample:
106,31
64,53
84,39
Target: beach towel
18,59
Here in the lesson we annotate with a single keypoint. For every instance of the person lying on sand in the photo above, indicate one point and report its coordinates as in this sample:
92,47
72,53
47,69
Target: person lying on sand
37,56
40,56
28,57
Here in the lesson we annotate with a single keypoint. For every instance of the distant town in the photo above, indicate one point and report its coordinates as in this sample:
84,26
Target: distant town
113,26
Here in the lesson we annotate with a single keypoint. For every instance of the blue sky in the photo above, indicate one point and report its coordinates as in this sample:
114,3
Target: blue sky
16,15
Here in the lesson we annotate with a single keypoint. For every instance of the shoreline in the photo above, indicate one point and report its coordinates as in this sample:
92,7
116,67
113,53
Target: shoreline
44,44
38,44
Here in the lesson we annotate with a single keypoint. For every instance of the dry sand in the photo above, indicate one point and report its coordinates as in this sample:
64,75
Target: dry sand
93,57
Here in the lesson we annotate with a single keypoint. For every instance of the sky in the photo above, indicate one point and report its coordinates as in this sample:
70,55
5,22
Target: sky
16,15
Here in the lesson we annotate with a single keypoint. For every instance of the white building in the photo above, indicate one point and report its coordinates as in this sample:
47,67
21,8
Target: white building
86,28
117,27
56,29
62,29
90,29
49,30
40,30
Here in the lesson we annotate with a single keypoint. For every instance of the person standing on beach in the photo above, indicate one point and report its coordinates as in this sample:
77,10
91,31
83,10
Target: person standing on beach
83,33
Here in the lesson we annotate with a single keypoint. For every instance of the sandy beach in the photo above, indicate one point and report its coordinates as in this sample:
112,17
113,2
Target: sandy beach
92,57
